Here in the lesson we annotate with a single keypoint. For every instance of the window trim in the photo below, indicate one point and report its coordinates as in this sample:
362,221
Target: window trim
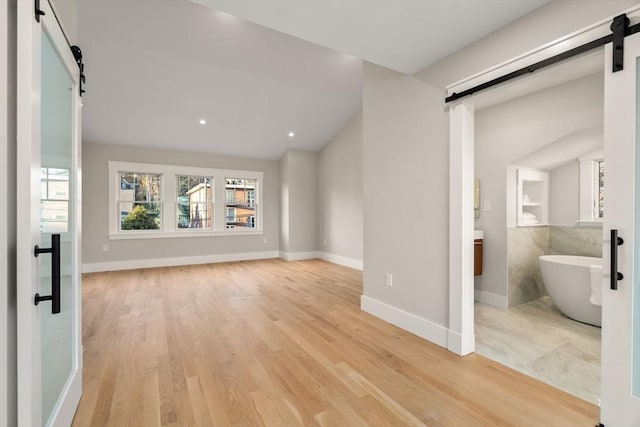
589,188
168,201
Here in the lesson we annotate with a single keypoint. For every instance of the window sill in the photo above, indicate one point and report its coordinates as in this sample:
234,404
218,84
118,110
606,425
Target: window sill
181,234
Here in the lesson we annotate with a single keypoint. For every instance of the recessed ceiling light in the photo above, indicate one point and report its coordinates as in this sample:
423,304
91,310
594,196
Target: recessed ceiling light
203,122
291,134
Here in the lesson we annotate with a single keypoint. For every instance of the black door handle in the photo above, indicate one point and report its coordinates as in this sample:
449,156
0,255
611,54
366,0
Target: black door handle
615,274
54,250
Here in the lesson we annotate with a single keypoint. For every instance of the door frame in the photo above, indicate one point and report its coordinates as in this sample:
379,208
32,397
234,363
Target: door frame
28,155
5,214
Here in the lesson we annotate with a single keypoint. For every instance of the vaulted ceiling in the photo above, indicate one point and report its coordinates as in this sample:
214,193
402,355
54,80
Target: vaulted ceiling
155,69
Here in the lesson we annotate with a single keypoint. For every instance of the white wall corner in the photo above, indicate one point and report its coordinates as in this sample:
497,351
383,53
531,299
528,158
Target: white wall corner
492,299
417,325
171,262
298,256
356,264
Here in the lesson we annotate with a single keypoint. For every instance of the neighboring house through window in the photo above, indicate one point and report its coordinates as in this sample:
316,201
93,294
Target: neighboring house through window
195,202
240,199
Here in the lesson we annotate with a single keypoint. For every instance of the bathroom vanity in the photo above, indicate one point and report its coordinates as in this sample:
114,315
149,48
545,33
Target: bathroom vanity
478,237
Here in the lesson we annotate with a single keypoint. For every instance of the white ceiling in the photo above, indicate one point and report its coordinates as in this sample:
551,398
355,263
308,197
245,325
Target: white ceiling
566,149
155,68
404,35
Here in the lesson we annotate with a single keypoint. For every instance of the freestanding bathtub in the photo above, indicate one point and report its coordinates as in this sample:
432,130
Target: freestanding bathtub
567,279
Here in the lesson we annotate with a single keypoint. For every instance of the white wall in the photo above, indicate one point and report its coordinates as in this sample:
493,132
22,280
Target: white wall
510,131
340,194
8,339
564,194
299,204
406,199
95,209
405,135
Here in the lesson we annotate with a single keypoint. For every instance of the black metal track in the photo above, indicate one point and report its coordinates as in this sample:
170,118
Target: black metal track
541,64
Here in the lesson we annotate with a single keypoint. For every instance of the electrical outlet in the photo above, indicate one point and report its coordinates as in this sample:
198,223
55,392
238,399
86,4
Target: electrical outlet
487,205
264,240
324,242
105,248
389,279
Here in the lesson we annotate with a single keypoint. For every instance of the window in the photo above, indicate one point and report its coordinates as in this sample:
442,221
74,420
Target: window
54,200
241,201
139,203
154,201
194,202
599,188
592,187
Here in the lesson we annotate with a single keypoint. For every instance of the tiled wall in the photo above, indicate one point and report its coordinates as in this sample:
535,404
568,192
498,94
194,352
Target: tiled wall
526,244
570,240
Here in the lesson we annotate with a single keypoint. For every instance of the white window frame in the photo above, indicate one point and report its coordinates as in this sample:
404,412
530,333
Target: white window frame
168,199
589,188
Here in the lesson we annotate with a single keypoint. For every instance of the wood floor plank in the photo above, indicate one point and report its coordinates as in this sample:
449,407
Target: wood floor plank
275,343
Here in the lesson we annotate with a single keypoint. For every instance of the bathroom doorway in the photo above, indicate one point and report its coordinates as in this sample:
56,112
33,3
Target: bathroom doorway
528,148
528,156
620,367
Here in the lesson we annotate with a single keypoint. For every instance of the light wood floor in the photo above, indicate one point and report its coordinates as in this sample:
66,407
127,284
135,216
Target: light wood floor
280,343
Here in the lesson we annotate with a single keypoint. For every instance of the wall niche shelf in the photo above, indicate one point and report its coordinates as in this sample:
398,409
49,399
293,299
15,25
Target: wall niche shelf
532,198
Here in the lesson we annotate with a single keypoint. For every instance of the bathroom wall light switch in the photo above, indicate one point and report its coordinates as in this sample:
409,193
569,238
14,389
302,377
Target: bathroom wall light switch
105,248
487,205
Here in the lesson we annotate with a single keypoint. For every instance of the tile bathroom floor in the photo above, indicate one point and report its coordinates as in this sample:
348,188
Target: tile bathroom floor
538,340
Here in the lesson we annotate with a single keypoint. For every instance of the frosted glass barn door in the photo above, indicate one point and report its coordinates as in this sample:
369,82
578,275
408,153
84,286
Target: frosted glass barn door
620,397
49,338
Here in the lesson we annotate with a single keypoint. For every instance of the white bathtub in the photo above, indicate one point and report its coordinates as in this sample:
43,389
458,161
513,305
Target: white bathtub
567,279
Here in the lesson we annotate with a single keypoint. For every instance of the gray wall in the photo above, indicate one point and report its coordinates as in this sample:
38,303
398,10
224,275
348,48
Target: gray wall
284,203
547,23
509,131
67,12
564,194
340,192
405,135
95,207
299,207
8,339
406,193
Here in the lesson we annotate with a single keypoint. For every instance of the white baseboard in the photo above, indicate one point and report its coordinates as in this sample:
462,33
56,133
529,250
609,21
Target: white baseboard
417,325
490,298
356,264
297,256
169,262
